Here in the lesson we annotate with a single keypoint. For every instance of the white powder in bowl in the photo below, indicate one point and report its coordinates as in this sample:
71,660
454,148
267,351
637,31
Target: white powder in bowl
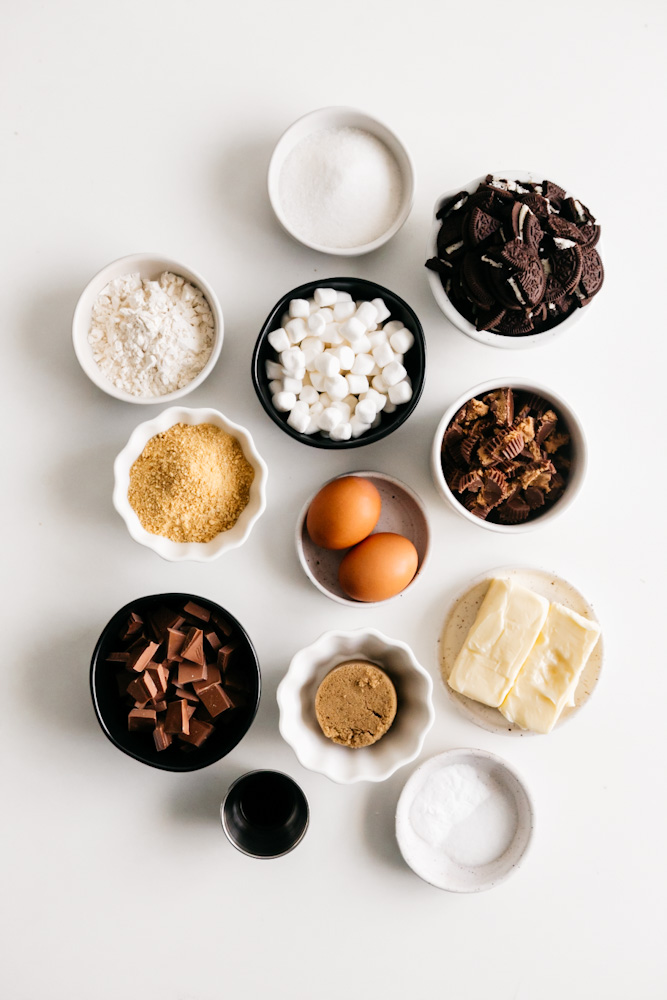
151,337
464,813
340,188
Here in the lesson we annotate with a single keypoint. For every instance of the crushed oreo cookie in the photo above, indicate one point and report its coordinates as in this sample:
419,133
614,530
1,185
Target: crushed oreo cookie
506,456
517,258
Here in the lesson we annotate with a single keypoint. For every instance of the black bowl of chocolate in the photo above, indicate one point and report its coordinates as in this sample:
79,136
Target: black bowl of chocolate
265,814
514,258
175,681
414,359
507,455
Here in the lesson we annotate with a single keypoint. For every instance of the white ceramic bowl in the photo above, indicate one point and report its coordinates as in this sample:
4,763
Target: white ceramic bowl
578,445
404,740
440,866
341,117
150,266
402,512
450,310
225,540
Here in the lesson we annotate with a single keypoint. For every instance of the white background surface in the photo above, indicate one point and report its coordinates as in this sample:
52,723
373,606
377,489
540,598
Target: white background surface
148,126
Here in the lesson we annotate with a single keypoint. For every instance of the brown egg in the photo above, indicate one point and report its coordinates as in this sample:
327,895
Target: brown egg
343,513
378,567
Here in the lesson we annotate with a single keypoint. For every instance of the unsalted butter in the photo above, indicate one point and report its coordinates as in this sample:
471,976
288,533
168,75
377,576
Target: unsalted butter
548,679
505,629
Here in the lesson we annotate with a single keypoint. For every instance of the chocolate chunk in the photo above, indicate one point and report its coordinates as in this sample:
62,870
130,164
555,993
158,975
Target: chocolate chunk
177,720
197,611
225,654
175,641
193,647
142,688
214,641
215,699
189,672
198,732
140,654
140,719
162,738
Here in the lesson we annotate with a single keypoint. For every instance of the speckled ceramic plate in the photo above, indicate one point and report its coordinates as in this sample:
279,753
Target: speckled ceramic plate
461,617
402,512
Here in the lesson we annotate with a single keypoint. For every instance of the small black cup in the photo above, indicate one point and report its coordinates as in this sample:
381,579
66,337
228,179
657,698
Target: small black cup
265,814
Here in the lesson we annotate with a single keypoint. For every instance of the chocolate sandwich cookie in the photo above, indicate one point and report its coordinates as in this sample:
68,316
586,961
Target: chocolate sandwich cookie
566,267
592,275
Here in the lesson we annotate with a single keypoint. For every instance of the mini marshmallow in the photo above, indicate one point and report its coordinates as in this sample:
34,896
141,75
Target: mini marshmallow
336,386
382,312
275,385
316,409
376,370
390,407
325,400
284,401
366,314
299,420
378,400
326,314
291,384
365,411
299,308
363,364
309,394
352,329
317,381
312,348
313,306
379,384
393,374
345,355
327,364
358,427
343,297
383,355
343,407
316,325
326,296
296,328
351,401
274,370
362,345
279,340
343,311
332,335
300,373
378,338
401,341
392,327
293,359
329,418
313,426
343,432
357,384
400,393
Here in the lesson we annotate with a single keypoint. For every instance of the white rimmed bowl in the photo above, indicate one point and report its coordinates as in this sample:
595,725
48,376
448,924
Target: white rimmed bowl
404,740
402,513
450,310
150,266
225,540
437,865
341,117
579,454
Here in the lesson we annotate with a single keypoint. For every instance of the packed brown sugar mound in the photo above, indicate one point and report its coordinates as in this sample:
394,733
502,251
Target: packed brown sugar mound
190,483
355,704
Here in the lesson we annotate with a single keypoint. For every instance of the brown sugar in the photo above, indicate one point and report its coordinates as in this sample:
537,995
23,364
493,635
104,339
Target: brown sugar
190,483
355,704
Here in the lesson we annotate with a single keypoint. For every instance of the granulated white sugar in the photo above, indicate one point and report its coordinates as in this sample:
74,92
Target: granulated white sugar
340,187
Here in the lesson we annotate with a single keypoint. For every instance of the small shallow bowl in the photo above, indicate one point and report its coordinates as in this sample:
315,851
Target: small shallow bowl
578,444
442,869
414,361
150,266
404,740
111,711
225,540
461,616
265,814
402,512
341,117
450,310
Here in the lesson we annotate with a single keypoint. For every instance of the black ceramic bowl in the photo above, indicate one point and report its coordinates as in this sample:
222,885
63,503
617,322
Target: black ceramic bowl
414,361
111,708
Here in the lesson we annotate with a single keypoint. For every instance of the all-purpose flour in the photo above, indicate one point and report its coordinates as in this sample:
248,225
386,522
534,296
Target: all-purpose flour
151,337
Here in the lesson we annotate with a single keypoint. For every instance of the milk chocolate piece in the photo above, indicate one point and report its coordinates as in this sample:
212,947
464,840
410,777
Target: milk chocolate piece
133,627
198,732
186,693
161,620
177,719
140,719
142,688
118,657
197,611
224,655
213,676
190,672
214,640
162,738
222,623
159,674
215,699
175,640
141,654
193,647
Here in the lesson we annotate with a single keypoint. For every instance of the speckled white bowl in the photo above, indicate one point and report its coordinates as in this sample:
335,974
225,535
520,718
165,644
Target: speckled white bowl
150,266
225,540
450,310
404,740
433,864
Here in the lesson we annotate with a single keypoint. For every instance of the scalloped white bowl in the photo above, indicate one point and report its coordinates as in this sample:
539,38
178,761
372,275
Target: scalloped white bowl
225,540
299,726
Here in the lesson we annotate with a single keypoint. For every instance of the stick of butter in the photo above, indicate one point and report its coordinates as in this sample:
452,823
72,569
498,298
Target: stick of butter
549,677
505,629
